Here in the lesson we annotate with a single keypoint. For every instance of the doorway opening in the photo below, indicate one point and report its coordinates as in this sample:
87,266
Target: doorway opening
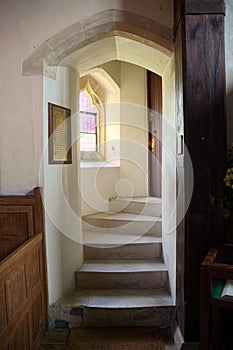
61,86
154,103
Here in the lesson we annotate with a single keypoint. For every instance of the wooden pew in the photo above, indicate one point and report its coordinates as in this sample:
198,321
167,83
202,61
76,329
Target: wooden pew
23,278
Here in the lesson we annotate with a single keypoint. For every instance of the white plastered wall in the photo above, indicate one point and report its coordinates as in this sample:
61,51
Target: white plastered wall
62,198
97,184
169,173
134,132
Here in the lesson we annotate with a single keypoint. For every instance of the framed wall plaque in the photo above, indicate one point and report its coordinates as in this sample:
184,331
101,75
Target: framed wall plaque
59,133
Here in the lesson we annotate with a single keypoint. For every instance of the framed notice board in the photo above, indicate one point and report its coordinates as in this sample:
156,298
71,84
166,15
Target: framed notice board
59,134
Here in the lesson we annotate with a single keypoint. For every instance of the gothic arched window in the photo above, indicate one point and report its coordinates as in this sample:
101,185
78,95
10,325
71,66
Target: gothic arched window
88,124
92,119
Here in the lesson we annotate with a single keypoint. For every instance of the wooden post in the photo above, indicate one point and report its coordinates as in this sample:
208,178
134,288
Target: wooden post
40,228
204,326
200,89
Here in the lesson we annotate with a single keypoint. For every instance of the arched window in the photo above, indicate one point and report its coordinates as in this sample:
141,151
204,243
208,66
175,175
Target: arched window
88,124
92,119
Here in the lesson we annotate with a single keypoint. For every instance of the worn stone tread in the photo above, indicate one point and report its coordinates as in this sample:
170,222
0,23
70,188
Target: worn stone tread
110,266
115,239
117,298
124,217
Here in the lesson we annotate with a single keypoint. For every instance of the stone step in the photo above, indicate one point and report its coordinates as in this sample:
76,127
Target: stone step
105,238
153,316
117,298
123,274
137,205
144,248
123,223
106,307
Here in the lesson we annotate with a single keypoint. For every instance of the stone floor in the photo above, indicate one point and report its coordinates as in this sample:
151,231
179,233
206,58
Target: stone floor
58,340
55,340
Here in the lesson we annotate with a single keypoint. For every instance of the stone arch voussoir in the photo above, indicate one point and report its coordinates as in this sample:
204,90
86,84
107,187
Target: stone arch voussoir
99,26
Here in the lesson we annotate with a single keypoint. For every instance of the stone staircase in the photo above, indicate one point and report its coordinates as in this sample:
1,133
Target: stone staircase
123,280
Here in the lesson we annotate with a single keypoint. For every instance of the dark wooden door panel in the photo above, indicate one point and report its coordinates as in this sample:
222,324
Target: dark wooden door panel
154,103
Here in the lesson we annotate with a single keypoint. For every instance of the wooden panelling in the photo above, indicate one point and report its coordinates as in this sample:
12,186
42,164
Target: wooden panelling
16,220
23,278
38,211
16,226
22,300
20,339
33,272
37,316
9,244
15,292
3,318
4,348
13,224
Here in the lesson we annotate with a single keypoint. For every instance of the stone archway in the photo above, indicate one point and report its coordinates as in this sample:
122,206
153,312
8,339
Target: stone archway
105,24
126,37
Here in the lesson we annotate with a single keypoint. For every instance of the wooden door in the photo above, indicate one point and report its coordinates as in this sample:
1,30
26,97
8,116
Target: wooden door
154,103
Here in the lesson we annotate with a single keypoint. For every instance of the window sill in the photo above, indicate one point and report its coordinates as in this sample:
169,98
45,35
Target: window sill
91,156
99,165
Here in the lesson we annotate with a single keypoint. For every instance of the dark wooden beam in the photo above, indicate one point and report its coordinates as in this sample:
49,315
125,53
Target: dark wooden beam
200,89
202,7
191,7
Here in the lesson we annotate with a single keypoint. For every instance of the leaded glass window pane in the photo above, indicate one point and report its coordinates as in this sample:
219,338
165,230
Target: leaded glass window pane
88,121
